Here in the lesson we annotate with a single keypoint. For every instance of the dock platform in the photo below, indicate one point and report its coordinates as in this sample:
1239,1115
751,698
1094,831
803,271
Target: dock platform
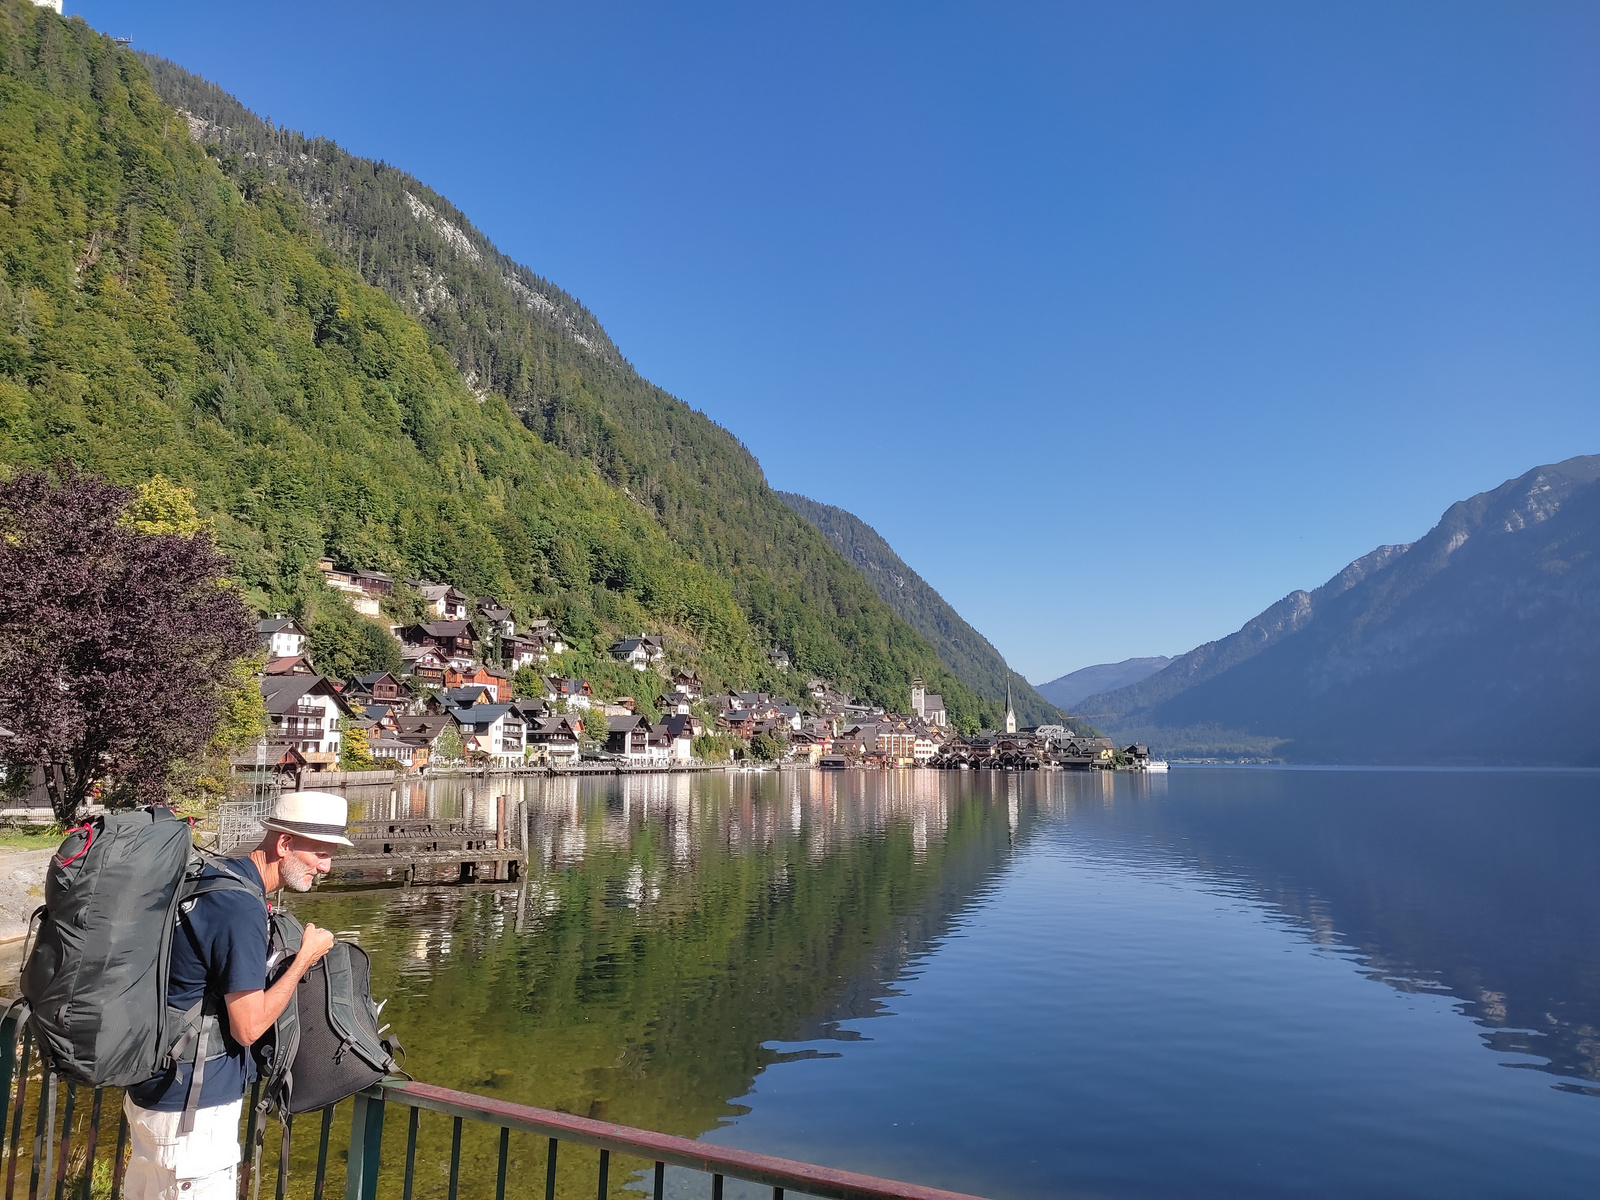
427,851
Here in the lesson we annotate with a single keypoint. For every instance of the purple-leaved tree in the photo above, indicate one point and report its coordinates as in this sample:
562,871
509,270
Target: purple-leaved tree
115,645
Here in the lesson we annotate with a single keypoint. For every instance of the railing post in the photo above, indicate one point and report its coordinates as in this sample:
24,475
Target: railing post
366,1145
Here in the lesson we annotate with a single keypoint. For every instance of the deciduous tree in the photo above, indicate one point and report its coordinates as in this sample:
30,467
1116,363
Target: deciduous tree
116,646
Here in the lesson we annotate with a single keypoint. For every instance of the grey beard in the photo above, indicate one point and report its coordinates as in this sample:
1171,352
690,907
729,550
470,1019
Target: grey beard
296,876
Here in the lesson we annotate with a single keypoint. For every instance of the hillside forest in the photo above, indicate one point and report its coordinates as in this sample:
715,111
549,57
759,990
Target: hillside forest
173,309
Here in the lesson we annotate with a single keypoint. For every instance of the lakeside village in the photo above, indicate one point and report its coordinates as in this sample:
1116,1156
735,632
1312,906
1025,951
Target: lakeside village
448,706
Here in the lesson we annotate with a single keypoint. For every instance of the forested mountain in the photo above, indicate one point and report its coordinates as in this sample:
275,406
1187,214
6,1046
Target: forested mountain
1067,690
1479,643
154,319
511,334
964,650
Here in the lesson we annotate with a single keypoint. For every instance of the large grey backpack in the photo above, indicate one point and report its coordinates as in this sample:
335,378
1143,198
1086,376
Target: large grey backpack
96,975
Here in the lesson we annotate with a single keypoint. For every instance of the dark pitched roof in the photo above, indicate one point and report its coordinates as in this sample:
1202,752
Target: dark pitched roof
467,695
283,692
273,624
625,724
480,714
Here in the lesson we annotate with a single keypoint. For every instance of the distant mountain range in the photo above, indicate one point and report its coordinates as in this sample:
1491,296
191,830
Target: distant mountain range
1478,644
964,650
1069,689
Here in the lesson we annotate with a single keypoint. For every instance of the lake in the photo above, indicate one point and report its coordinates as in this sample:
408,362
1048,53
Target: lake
1221,982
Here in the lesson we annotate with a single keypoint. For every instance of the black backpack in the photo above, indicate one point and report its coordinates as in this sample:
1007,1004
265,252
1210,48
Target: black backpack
327,1045
95,977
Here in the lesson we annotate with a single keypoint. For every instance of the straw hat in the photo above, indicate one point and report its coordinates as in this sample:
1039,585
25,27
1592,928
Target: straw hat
317,816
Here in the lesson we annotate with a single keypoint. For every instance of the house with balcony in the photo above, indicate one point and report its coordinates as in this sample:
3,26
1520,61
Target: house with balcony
496,616
559,737
574,693
492,730
422,734
452,639
492,678
447,603
522,652
303,713
424,666
378,687
630,737
548,635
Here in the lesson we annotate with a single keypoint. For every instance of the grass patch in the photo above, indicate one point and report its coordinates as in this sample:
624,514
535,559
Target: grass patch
29,839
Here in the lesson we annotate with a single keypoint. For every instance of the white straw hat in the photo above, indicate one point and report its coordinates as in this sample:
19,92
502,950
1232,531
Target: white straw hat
317,816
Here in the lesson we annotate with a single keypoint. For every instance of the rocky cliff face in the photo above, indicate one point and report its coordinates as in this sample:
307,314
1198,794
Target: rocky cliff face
1480,643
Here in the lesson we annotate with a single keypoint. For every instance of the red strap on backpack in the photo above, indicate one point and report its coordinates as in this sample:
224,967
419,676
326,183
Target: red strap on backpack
88,840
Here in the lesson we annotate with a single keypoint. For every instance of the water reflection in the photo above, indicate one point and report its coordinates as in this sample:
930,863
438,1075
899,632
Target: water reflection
677,937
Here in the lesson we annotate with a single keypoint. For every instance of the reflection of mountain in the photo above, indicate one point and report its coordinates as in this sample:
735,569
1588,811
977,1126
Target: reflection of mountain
671,932
1485,885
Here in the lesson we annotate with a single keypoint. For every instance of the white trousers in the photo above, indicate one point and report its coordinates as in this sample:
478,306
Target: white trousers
200,1165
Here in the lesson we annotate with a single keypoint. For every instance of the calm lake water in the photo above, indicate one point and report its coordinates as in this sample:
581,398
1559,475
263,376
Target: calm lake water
1224,982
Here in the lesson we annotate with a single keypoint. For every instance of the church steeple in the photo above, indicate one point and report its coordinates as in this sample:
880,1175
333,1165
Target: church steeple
1011,712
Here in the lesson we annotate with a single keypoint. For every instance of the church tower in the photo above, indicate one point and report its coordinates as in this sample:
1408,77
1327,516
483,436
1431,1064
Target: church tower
1011,712
919,696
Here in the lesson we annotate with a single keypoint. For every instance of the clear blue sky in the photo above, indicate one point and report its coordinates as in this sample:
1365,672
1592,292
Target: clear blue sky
1119,321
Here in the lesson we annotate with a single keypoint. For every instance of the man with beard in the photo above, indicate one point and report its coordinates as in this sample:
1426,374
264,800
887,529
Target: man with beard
219,956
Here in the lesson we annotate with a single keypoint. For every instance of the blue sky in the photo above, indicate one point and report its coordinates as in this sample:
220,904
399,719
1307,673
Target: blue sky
1118,321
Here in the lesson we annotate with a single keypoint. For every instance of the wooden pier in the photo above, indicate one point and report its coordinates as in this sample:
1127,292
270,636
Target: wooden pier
430,851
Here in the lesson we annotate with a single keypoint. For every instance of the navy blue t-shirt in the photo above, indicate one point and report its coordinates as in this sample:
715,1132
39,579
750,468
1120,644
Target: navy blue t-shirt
221,945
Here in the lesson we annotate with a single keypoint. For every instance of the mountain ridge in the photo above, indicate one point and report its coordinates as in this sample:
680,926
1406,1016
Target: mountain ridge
1478,643
1065,691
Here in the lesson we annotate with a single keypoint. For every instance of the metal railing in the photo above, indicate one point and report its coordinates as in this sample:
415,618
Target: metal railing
68,1162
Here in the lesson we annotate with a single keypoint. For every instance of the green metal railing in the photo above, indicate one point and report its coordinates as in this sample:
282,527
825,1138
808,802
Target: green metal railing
28,1090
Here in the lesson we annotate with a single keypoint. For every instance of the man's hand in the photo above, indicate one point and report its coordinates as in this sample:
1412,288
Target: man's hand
251,1014
314,943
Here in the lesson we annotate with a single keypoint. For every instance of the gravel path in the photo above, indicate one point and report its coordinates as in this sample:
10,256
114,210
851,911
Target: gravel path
21,890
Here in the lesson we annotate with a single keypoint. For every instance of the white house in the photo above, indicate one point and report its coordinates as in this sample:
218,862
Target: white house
281,636
495,730
303,711
641,652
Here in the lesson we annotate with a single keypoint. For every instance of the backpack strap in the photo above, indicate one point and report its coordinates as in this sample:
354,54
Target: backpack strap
198,1023
341,1009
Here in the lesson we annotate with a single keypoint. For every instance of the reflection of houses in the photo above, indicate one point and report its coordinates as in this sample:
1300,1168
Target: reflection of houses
303,713
281,636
